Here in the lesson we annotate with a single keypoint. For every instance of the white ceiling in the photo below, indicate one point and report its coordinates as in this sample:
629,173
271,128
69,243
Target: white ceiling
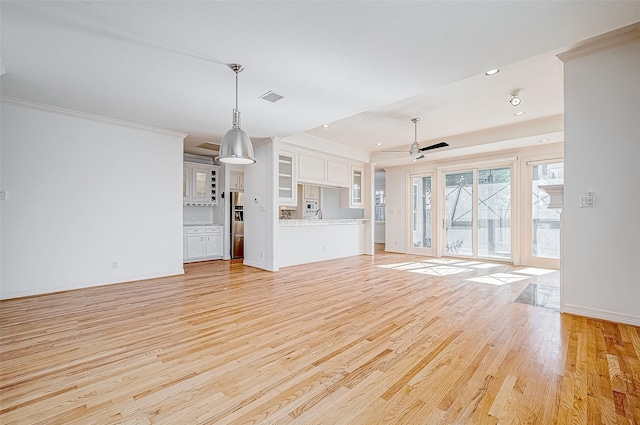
364,67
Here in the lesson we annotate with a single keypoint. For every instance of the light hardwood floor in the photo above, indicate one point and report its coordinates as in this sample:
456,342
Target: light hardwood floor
337,342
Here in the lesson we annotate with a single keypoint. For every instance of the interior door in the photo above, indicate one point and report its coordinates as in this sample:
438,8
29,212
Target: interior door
422,220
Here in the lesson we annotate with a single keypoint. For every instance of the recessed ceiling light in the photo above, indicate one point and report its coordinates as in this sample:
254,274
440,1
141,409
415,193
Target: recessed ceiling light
378,144
493,71
518,114
325,126
544,140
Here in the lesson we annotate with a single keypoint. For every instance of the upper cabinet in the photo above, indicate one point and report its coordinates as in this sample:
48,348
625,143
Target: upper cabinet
353,196
322,171
337,173
287,184
199,184
236,181
311,169
311,192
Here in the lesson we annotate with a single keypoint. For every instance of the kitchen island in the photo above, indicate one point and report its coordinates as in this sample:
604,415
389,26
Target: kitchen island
306,241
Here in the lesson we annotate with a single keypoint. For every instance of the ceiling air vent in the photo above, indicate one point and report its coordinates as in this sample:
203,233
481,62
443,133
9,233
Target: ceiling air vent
271,96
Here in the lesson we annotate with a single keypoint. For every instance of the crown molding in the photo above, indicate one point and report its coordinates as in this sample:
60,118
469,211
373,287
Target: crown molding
12,101
602,42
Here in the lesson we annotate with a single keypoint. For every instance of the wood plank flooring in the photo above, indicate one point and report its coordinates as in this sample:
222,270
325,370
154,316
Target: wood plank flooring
337,342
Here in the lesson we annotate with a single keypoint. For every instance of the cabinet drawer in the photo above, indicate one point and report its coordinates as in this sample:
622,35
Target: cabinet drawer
216,229
194,230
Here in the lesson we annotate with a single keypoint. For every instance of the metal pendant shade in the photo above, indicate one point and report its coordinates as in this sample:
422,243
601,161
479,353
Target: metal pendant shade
236,147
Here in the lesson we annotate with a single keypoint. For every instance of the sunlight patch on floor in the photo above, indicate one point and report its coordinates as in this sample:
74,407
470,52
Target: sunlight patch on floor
498,278
440,270
442,261
534,271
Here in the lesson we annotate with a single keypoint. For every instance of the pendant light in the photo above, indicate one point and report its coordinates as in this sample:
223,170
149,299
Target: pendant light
236,147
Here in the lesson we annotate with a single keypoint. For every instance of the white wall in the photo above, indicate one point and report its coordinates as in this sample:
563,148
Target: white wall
601,245
83,193
260,208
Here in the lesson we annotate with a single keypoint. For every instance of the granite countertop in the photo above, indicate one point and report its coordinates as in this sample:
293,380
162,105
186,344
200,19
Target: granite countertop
320,222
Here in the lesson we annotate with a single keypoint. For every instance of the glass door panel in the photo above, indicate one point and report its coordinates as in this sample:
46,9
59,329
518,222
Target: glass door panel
494,213
422,224
459,213
545,222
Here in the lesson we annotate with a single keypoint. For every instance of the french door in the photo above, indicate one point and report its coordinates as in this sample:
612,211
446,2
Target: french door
422,222
543,224
477,213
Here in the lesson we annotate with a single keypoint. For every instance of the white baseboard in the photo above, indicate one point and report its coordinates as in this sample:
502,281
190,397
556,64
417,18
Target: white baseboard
601,314
49,290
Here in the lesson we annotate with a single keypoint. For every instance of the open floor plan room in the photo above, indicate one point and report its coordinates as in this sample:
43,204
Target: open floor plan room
384,339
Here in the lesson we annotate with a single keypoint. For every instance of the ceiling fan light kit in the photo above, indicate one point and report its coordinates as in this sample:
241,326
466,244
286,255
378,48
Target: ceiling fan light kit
236,147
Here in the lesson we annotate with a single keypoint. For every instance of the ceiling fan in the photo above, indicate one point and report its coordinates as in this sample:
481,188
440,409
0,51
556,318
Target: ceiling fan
416,151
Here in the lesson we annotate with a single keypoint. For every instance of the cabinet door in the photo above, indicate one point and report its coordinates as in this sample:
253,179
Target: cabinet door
201,185
337,173
195,247
311,192
287,185
213,245
357,181
311,169
237,181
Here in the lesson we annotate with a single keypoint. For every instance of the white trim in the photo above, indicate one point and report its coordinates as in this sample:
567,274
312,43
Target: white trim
600,314
602,42
12,101
101,282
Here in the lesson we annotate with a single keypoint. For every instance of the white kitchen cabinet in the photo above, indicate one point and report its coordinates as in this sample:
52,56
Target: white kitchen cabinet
353,196
195,247
213,242
287,181
311,169
199,185
236,181
337,173
202,243
311,192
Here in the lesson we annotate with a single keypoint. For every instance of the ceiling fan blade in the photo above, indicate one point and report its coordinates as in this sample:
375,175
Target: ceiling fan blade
436,146
420,157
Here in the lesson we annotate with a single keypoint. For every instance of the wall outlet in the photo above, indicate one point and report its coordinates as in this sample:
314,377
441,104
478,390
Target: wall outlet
3,195
262,255
114,265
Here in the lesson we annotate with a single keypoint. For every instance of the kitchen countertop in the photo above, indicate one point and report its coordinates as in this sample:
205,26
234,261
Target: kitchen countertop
320,222
200,225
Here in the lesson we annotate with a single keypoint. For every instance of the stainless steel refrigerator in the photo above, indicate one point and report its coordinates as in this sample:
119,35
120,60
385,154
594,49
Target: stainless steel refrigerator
237,224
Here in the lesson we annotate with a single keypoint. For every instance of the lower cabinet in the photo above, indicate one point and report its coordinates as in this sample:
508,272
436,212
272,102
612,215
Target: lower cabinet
202,243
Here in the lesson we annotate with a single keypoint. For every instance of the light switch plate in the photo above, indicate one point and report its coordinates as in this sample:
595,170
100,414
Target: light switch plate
588,201
3,195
